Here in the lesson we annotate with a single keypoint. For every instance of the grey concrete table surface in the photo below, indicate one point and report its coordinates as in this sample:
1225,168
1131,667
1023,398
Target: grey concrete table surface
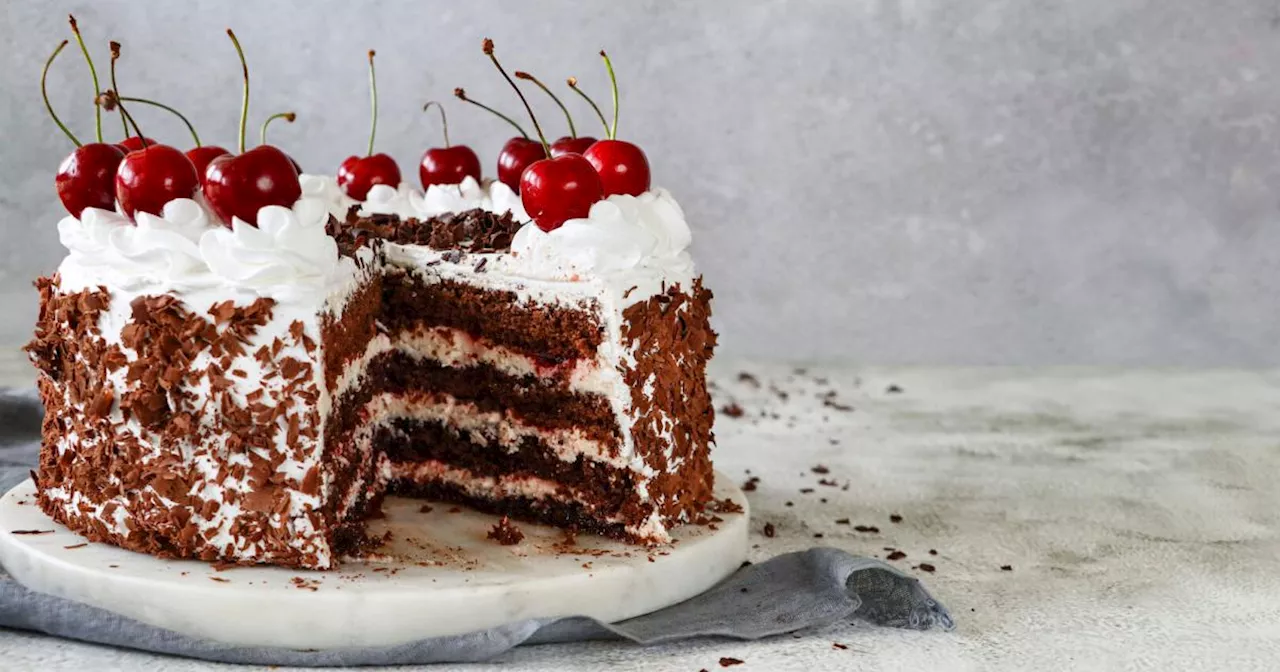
1074,519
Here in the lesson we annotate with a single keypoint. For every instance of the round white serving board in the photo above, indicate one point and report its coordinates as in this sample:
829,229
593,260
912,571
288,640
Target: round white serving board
438,575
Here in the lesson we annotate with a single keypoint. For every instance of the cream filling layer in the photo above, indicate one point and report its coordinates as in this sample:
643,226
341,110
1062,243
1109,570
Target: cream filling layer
486,428
531,487
456,348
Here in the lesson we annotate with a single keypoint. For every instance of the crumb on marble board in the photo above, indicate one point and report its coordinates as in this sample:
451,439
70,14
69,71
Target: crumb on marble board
506,533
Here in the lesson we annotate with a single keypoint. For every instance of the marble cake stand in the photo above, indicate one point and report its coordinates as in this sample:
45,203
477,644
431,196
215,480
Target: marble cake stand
439,575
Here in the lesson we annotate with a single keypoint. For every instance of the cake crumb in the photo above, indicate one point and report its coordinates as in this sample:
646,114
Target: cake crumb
838,645
455,510
219,579
896,555
730,662
895,518
751,484
506,533
725,505
820,469
425,508
893,389
933,551
830,402
842,521
872,529
749,379
926,567
75,546
769,530
33,532
732,410
1006,568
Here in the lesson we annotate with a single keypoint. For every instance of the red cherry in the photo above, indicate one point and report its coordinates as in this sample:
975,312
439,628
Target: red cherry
568,145
239,186
448,165
559,189
201,156
133,143
87,178
516,156
358,174
151,177
623,167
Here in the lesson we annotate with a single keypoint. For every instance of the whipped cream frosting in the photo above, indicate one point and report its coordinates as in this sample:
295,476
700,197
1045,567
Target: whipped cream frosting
406,201
620,235
287,256
625,241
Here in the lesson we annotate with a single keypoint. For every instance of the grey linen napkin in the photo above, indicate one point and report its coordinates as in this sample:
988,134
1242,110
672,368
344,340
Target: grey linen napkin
787,593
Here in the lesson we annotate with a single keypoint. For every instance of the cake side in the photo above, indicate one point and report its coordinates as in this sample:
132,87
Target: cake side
187,414
669,341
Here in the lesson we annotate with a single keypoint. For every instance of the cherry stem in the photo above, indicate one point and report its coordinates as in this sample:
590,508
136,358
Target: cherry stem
97,111
488,50
573,84
129,117
115,56
373,94
573,132
144,101
613,82
287,116
44,92
462,95
244,100
444,122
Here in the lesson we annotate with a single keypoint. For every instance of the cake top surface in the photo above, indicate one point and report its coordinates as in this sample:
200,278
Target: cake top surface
309,252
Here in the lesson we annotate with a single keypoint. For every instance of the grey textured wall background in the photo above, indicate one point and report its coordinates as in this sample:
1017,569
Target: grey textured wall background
935,181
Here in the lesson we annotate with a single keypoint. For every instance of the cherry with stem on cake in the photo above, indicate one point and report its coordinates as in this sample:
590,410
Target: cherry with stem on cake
287,116
87,177
517,153
450,164
237,187
623,167
569,144
150,177
553,190
358,174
